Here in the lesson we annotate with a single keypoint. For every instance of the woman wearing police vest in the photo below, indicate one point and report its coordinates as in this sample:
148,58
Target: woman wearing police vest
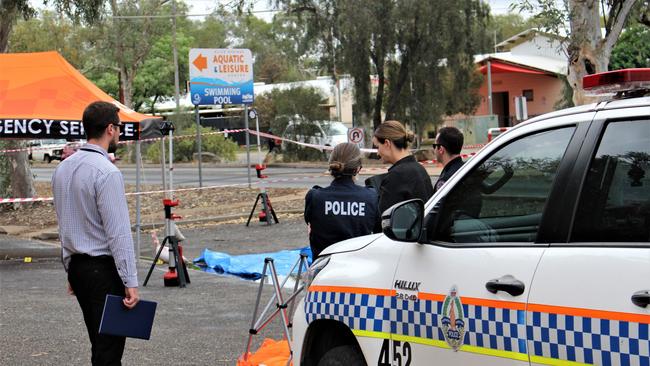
406,178
343,210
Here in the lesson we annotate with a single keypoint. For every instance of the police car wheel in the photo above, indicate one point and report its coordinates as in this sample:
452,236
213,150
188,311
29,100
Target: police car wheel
342,356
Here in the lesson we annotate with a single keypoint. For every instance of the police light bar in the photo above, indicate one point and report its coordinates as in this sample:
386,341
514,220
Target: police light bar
617,81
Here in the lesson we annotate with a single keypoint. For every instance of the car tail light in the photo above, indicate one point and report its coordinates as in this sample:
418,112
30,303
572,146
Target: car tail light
617,81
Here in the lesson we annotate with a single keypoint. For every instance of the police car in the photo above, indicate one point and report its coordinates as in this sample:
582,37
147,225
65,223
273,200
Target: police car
537,251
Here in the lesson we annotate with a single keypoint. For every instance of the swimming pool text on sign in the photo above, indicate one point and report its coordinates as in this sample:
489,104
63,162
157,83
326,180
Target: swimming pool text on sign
221,76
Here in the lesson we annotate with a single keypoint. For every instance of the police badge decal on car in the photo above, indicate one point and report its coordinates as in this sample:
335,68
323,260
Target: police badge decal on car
453,320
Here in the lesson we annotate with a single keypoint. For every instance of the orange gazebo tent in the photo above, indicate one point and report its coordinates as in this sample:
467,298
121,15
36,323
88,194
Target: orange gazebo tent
42,95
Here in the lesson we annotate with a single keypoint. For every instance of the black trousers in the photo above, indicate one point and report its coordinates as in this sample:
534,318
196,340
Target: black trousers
91,278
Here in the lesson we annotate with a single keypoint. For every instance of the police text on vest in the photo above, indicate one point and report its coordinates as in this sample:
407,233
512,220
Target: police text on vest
343,208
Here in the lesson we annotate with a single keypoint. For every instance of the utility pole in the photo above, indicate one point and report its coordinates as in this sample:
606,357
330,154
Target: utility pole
175,51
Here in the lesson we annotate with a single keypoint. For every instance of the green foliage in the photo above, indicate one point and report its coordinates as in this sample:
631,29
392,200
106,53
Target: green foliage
185,148
155,79
405,44
504,26
278,107
632,49
47,33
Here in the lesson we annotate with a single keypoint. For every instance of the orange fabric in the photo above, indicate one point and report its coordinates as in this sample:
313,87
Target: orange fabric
270,353
44,85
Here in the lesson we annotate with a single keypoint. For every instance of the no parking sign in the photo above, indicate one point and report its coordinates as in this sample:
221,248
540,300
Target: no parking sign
356,136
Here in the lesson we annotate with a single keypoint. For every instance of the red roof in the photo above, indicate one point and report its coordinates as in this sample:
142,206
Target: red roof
497,67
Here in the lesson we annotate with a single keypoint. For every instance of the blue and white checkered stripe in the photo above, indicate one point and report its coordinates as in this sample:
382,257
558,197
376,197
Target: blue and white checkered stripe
495,328
357,311
553,336
589,340
502,329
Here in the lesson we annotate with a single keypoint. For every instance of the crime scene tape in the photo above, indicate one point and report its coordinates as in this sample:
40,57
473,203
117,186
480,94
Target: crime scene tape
131,141
45,199
223,132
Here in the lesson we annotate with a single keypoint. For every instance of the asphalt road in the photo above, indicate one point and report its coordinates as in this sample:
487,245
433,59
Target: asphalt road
204,324
189,176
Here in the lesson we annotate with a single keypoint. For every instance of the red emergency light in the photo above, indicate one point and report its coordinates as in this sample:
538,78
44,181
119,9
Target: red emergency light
617,81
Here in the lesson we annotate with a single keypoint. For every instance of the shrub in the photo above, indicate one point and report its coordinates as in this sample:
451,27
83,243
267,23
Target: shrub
185,148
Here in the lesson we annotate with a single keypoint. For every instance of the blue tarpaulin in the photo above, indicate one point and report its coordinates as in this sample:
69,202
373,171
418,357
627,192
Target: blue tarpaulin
249,266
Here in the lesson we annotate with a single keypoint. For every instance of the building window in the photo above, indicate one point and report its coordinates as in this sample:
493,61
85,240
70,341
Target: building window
528,93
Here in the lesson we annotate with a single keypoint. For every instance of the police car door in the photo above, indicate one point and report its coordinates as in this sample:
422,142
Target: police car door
588,301
461,298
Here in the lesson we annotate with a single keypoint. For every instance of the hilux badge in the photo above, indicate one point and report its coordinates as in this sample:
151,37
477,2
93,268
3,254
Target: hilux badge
453,320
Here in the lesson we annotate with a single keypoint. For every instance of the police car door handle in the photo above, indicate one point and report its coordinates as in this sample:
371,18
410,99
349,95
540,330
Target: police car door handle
506,283
641,298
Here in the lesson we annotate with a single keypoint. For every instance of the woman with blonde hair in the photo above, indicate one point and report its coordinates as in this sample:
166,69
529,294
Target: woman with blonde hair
343,210
406,178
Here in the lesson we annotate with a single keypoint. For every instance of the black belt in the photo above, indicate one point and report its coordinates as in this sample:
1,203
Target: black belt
87,257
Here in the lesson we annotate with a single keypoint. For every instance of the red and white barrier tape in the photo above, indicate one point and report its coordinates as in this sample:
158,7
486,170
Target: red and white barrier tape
475,146
45,199
130,141
252,132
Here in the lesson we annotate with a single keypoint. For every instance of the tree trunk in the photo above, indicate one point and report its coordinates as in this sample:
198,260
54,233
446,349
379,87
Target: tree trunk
584,52
126,80
6,24
379,98
589,52
22,179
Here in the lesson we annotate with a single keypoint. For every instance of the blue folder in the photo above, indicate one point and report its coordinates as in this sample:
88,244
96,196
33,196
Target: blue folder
118,320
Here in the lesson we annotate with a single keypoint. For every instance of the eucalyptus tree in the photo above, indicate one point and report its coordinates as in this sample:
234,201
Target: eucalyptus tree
589,49
411,60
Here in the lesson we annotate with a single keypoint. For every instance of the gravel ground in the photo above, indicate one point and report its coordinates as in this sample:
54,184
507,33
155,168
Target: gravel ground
205,323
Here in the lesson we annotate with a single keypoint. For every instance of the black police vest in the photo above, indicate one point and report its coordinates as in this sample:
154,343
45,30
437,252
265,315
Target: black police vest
341,211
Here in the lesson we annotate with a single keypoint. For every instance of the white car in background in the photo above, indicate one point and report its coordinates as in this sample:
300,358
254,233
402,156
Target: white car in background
322,133
46,150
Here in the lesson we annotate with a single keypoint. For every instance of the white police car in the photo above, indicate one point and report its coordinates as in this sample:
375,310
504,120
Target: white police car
536,252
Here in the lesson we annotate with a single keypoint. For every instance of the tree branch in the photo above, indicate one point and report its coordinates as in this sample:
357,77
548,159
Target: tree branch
617,27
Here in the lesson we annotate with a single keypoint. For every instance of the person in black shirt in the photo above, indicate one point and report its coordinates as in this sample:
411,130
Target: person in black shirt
406,178
343,210
449,143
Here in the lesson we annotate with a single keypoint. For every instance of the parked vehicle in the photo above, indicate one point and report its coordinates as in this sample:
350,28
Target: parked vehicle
70,148
536,252
322,133
73,146
46,150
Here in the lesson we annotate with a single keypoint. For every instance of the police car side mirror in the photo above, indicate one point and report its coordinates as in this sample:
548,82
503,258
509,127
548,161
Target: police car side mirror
403,221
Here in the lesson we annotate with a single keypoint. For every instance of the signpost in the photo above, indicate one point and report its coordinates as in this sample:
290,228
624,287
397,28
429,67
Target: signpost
221,76
356,136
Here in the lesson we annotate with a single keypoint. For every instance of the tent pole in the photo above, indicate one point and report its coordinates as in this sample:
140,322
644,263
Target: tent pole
163,158
248,145
489,85
198,142
138,202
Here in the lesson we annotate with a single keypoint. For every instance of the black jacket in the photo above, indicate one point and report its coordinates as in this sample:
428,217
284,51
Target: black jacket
341,211
405,180
448,171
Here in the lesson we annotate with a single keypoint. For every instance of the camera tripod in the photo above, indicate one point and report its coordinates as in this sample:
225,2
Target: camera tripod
177,275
